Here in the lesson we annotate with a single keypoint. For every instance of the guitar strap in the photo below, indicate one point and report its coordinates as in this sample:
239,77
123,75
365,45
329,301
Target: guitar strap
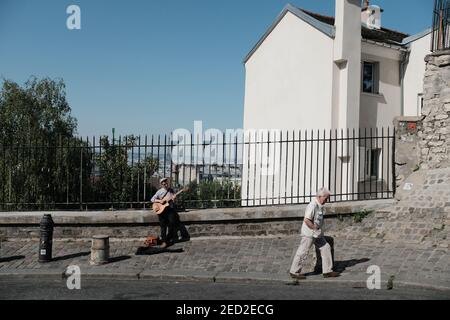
165,194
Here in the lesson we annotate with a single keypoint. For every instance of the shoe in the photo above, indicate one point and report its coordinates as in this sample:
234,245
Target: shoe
297,276
163,245
331,274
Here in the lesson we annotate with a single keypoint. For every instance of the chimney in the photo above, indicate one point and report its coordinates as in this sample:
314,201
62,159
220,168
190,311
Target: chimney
366,4
371,16
348,28
347,59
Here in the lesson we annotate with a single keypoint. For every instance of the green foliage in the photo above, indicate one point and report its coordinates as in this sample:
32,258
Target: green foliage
390,284
210,194
360,215
35,123
38,111
119,180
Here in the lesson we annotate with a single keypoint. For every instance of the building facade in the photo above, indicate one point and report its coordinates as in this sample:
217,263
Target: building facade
314,72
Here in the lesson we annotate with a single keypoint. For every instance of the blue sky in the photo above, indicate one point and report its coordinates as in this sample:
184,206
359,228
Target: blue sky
152,66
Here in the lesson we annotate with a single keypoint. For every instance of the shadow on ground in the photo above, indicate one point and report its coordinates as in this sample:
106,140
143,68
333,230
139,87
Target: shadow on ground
119,258
338,266
9,259
71,256
155,250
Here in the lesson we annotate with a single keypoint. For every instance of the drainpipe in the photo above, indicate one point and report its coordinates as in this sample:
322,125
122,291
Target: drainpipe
403,62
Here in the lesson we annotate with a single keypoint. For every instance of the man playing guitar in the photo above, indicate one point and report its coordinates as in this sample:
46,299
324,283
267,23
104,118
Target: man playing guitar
169,220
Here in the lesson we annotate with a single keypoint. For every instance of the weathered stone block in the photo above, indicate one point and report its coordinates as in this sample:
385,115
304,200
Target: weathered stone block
438,150
441,116
435,143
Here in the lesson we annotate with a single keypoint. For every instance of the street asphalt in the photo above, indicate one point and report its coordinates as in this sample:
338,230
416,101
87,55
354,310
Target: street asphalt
107,289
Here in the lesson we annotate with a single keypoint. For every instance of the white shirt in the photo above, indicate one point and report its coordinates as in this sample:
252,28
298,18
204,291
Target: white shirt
314,212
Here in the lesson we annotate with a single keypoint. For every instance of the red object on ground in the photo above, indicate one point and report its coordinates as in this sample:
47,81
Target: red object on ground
150,241
412,125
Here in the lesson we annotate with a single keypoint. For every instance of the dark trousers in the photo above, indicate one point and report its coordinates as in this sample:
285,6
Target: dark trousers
170,224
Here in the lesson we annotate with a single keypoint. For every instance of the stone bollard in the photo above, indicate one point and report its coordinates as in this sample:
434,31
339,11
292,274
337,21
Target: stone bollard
99,250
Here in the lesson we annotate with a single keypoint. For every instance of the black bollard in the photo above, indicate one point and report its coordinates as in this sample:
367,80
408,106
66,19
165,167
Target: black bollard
46,241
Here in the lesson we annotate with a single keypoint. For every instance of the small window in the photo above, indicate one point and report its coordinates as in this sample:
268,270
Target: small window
419,103
373,163
370,77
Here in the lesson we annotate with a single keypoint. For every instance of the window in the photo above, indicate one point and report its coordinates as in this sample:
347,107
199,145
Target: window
373,163
370,77
419,103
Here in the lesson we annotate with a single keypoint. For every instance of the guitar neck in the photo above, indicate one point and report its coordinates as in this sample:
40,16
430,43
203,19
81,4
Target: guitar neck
179,192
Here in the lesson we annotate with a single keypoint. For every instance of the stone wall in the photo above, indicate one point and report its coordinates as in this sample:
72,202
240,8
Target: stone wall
276,227
434,133
422,216
407,152
261,221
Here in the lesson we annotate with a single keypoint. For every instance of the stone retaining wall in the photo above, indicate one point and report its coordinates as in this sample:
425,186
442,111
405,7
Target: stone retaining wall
262,221
435,131
407,152
422,216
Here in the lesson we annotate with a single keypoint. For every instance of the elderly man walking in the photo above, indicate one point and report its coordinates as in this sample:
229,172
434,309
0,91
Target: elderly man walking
312,234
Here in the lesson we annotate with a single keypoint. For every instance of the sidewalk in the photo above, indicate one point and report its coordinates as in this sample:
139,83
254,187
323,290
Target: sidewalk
234,259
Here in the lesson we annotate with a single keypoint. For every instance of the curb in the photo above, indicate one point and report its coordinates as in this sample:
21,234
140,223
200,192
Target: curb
31,274
225,277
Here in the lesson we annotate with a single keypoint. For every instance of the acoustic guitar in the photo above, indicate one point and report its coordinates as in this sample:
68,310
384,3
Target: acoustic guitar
159,208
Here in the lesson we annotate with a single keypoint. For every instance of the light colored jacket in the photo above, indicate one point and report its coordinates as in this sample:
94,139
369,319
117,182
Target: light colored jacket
314,212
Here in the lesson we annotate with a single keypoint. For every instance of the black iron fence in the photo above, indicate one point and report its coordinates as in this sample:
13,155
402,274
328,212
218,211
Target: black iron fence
118,173
289,167
221,170
441,26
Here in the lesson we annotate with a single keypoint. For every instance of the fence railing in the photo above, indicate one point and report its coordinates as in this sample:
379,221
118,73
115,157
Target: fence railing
441,26
289,167
118,173
222,170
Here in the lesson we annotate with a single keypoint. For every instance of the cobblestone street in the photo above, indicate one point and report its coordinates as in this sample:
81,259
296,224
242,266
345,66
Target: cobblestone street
262,259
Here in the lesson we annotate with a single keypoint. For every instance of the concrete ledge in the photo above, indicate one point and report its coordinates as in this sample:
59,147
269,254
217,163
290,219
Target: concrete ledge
407,119
140,217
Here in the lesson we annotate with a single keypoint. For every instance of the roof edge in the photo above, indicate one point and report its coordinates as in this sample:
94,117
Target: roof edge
398,47
325,28
416,36
322,27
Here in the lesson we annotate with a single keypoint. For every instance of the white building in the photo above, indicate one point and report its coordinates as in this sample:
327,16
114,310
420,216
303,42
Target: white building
311,72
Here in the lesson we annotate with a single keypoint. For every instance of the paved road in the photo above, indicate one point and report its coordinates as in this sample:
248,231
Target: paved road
266,258
34,289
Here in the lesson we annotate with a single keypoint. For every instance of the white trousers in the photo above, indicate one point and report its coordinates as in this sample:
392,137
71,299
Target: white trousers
302,253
